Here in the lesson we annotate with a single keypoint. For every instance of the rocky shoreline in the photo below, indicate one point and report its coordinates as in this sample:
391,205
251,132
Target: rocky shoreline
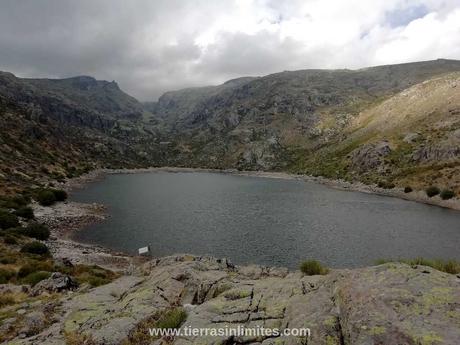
63,220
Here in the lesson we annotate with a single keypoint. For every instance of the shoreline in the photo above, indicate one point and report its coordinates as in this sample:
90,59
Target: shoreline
64,220
415,196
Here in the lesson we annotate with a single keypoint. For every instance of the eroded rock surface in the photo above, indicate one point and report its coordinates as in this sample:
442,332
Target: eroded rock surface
387,304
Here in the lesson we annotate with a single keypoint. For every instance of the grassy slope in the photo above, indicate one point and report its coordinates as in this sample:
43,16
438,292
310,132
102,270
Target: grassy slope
431,109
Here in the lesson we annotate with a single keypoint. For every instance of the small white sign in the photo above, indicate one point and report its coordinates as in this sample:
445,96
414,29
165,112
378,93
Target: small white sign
144,250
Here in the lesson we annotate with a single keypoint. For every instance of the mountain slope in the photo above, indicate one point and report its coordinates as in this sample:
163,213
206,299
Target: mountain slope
61,128
413,138
265,123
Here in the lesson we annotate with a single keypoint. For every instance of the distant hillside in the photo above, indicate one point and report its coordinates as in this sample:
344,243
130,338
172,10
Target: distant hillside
394,124
267,122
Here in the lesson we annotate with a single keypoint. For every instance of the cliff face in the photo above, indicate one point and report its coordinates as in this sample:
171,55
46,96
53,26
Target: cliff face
387,304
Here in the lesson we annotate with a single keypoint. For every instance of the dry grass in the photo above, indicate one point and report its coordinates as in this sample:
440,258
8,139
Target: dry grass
75,338
447,266
168,319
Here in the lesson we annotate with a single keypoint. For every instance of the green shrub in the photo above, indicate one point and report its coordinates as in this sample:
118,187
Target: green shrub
172,319
447,194
25,212
313,267
6,275
407,189
46,197
59,194
8,220
37,231
432,191
14,202
9,239
35,248
36,277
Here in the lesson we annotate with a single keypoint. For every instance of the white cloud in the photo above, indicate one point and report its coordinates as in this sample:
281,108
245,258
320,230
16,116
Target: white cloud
153,46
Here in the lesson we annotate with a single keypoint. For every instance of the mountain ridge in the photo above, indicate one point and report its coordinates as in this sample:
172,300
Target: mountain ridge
296,121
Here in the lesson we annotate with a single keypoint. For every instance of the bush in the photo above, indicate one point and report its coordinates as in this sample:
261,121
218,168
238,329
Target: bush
14,202
35,248
46,198
407,189
6,275
313,267
432,191
9,239
8,220
37,231
25,212
36,277
447,194
59,194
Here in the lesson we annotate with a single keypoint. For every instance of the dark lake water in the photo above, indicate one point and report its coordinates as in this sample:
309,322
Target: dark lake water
264,221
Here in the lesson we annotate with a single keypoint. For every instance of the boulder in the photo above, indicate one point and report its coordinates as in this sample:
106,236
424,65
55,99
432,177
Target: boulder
33,323
370,157
56,283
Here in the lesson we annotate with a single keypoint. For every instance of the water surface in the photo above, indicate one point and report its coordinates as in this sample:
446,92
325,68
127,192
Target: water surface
265,221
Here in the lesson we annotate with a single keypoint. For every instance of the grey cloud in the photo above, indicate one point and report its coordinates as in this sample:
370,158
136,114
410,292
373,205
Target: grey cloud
150,47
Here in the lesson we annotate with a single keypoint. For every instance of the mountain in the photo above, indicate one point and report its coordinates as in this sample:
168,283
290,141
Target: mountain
61,128
281,121
411,138
394,124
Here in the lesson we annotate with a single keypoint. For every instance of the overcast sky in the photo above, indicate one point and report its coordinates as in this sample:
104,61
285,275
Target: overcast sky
152,46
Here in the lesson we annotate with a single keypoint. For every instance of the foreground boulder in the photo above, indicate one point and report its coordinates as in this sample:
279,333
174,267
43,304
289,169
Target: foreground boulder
387,304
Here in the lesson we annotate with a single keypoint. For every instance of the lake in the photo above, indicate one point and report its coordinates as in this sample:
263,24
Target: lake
263,220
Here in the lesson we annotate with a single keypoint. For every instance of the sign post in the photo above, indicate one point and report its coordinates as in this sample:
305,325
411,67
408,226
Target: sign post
144,251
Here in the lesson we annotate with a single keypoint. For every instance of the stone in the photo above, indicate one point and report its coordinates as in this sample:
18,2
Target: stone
411,137
387,304
33,323
56,283
370,156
